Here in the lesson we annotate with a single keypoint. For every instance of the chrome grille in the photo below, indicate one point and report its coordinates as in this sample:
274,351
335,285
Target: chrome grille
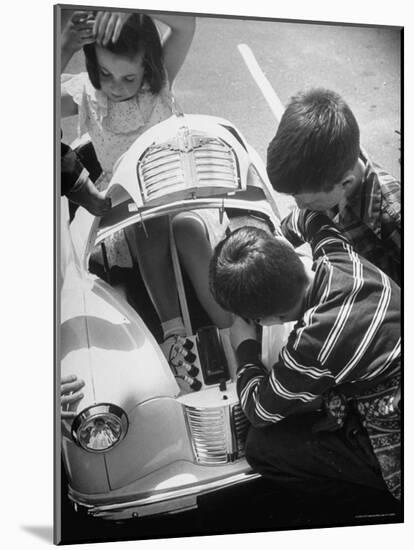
218,434
159,170
215,162
185,166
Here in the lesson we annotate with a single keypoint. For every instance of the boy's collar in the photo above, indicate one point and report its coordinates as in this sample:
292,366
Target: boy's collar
364,203
354,189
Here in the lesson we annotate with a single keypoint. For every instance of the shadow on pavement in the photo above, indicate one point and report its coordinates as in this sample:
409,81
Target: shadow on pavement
254,507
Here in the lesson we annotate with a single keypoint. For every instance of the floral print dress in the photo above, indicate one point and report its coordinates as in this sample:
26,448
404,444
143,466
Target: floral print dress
113,127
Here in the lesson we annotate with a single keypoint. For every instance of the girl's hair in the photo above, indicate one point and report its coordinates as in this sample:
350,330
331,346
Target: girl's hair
255,275
139,34
316,143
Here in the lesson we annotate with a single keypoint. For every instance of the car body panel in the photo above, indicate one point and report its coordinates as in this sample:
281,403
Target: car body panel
157,436
176,487
86,471
159,466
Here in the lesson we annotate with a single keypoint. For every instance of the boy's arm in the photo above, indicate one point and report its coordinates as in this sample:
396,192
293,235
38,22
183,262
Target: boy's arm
331,344
260,401
314,228
290,230
78,187
72,170
266,397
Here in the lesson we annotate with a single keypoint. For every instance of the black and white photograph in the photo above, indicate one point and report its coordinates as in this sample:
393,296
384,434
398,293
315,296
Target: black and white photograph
229,341
204,271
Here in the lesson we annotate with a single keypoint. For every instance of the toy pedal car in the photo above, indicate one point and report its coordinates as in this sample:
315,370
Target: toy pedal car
153,433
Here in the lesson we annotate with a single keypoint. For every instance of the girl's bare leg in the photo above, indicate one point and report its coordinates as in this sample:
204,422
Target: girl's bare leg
195,253
154,260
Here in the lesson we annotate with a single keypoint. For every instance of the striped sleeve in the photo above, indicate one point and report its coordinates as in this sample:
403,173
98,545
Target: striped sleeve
291,229
314,228
293,384
349,333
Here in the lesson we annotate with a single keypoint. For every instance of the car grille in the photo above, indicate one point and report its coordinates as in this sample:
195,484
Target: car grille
218,434
171,167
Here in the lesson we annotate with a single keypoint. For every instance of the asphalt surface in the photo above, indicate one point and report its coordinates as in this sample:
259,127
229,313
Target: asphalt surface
361,63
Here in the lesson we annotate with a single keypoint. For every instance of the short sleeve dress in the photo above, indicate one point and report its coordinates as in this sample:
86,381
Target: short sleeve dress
113,127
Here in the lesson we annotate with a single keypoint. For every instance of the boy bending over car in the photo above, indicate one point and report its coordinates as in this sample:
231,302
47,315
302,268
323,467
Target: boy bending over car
328,409
316,157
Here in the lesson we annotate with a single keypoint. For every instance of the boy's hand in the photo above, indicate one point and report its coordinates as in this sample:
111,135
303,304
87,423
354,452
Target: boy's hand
96,203
88,196
70,395
108,26
99,205
242,330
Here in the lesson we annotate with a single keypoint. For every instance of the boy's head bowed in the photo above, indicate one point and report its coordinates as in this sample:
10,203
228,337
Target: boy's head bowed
255,275
316,144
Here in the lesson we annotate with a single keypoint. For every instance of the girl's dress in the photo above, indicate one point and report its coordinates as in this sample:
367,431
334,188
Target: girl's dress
113,127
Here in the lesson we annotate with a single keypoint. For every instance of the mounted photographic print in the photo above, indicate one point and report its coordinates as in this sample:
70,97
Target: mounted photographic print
228,342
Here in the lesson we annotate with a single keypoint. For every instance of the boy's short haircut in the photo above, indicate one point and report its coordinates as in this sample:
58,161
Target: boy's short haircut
316,143
255,275
139,34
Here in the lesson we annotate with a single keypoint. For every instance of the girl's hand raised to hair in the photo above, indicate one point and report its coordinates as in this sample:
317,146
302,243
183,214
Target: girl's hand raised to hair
78,31
108,26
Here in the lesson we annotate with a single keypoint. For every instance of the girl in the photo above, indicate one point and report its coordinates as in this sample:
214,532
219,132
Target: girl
126,90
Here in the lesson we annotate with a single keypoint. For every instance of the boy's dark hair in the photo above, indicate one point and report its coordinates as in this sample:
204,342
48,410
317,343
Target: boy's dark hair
139,34
316,143
255,275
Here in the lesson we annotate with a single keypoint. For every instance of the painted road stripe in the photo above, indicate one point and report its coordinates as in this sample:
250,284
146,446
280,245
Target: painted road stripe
261,80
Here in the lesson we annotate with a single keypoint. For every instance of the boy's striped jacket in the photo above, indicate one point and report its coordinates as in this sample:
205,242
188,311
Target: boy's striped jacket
349,334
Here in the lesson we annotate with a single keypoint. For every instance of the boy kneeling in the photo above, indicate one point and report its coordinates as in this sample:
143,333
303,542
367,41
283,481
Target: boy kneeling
343,353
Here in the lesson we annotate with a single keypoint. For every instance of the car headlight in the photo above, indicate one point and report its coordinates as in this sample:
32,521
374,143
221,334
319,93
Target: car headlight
100,427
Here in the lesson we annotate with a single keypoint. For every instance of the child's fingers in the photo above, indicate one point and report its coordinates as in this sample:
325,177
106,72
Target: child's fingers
84,30
109,29
68,378
117,31
100,31
79,17
97,22
120,21
71,399
89,27
66,415
67,387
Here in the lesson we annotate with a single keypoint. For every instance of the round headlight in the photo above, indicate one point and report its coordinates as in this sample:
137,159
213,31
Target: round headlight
100,427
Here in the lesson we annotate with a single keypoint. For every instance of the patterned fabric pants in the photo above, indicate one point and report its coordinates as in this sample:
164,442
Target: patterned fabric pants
383,424
357,444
